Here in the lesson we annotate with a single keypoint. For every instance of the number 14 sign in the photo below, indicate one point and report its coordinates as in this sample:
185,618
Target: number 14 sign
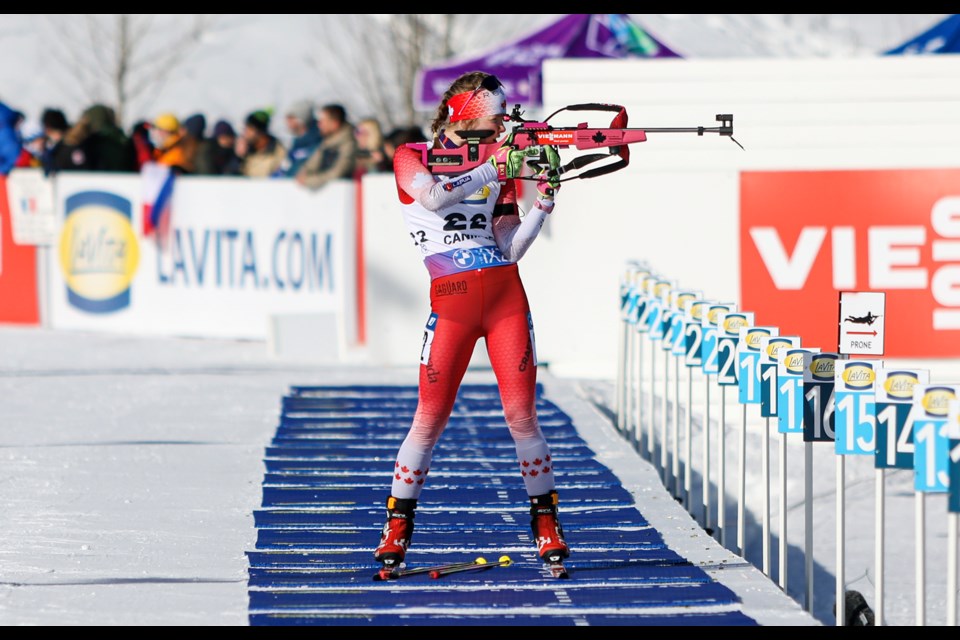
894,397
953,432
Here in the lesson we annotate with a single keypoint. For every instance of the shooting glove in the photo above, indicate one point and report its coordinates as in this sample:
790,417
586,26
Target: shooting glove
547,187
508,162
553,159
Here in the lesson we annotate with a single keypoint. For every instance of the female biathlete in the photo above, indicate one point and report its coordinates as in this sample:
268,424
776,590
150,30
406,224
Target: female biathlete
468,229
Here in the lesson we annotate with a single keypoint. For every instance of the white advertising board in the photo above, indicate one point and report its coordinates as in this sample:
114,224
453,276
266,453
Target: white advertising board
239,251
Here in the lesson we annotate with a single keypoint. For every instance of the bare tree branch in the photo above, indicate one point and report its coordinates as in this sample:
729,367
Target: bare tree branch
124,55
378,59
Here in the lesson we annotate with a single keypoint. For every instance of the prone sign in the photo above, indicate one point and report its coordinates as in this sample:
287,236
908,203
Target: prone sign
861,323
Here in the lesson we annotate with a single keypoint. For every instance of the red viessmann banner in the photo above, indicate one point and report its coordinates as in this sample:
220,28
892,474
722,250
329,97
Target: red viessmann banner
807,235
18,272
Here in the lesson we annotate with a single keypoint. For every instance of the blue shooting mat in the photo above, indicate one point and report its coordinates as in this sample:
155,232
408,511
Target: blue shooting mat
327,474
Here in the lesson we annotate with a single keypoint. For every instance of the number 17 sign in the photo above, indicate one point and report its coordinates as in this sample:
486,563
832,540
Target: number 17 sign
769,359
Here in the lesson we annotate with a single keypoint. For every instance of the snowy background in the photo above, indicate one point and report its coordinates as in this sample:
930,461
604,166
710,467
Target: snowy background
251,61
130,467
860,575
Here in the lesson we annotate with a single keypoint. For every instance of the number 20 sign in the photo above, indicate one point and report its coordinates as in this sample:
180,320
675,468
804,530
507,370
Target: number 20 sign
728,331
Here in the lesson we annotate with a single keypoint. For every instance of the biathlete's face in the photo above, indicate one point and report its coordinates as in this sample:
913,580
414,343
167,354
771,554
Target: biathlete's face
493,123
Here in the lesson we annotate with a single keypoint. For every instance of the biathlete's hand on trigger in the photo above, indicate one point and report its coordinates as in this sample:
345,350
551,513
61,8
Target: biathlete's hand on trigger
508,162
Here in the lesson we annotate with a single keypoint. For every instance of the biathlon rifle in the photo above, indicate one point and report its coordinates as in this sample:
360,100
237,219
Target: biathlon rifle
531,137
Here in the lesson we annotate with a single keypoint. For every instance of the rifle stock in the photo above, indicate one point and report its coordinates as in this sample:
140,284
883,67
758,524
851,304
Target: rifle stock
531,135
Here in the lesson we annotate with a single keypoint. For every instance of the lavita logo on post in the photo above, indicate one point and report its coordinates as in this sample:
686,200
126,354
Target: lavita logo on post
99,254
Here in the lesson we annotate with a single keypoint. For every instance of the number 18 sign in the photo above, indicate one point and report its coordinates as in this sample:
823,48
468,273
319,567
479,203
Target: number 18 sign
749,355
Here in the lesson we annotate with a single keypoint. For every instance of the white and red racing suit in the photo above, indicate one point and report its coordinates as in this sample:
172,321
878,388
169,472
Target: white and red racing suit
469,232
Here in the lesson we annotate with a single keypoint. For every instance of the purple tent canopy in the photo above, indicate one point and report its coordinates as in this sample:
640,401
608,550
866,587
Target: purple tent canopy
518,64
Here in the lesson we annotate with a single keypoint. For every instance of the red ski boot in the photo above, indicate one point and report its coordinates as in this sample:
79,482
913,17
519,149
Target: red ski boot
396,534
547,532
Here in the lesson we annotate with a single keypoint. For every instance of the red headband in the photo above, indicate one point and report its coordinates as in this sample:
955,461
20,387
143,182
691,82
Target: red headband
478,103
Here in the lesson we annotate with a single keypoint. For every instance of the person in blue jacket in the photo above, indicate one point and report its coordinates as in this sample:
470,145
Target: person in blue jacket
305,138
10,143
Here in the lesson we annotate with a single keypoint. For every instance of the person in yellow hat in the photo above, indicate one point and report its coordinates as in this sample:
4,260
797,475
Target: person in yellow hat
171,146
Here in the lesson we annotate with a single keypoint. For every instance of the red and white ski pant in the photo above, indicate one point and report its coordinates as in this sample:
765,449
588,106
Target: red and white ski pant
489,303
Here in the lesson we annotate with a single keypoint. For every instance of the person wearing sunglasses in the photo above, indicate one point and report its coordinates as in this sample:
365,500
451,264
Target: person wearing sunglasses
468,230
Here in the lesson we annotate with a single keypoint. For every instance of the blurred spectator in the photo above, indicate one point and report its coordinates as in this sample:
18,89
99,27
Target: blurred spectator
55,127
95,143
224,160
110,147
399,137
33,140
71,154
302,126
143,148
261,154
10,145
173,146
194,129
370,156
195,126
335,158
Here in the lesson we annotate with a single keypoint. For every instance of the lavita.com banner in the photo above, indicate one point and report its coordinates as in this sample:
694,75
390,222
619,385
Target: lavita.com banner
237,252
807,235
